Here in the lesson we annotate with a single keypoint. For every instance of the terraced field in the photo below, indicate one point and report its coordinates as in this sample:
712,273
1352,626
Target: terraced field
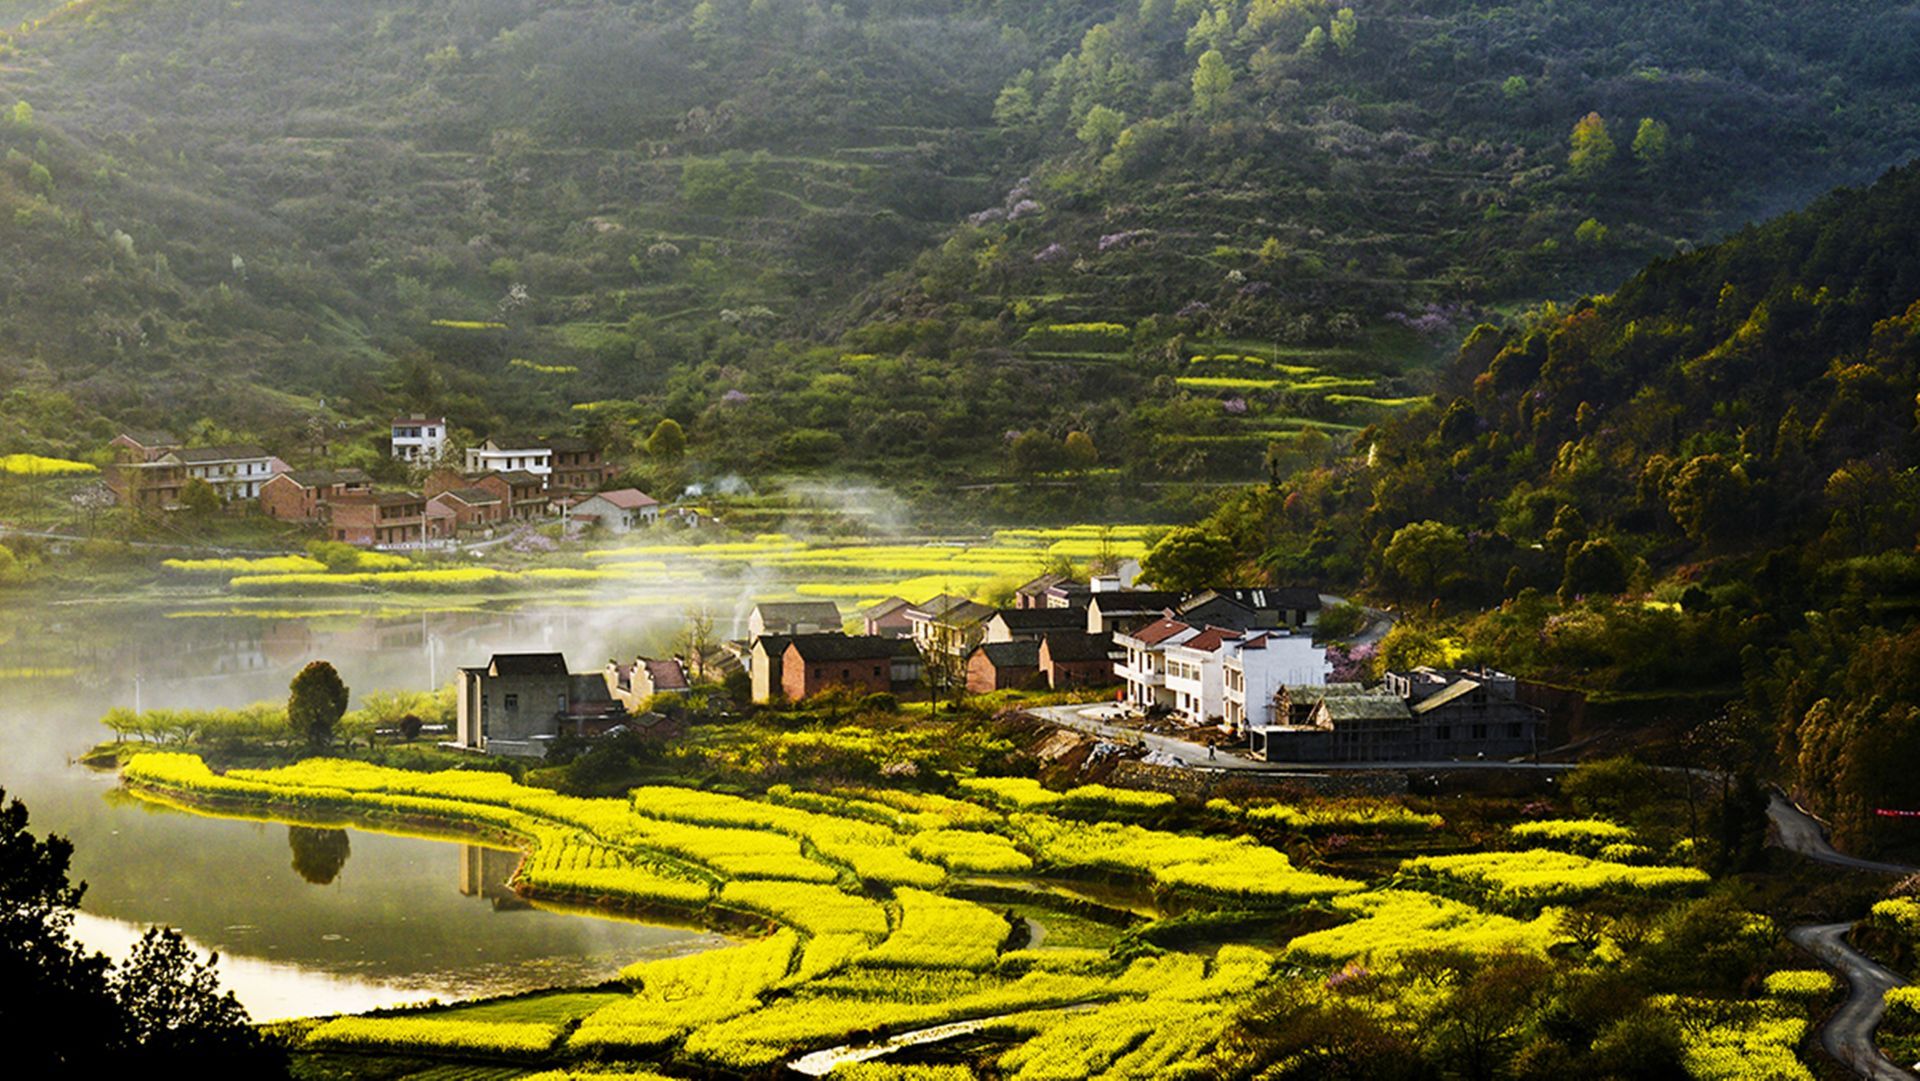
857,918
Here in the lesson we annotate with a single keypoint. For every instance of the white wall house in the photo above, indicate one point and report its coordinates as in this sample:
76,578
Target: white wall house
507,457
1257,666
1215,675
419,439
236,472
1144,669
619,511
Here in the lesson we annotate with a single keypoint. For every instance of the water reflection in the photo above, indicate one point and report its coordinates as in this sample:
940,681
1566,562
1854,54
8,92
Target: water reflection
318,854
404,915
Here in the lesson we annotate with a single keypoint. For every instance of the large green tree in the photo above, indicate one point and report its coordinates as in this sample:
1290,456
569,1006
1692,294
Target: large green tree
1189,559
316,700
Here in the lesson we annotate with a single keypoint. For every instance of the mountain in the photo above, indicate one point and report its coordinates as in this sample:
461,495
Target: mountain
1697,499
883,236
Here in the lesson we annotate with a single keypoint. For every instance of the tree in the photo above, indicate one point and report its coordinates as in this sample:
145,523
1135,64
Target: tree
317,698
54,985
1188,559
318,854
73,1014
1344,30
1033,451
199,497
1079,451
1425,558
1591,148
1707,496
1100,127
1212,79
1594,568
178,1016
696,639
668,441
1650,143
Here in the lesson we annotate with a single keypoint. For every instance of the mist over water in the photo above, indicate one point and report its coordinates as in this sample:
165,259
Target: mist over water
305,920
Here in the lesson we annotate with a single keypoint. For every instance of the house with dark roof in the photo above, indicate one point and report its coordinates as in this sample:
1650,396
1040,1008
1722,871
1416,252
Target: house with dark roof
999,666
1031,624
301,495
888,619
793,617
472,508
1125,609
632,684
380,520
519,703
1076,659
765,658
817,662
577,465
1290,607
948,624
1033,594
143,444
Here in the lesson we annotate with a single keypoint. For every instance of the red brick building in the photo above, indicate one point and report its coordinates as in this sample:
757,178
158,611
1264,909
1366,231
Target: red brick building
147,485
378,519
1077,660
577,465
999,666
302,495
472,508
817,662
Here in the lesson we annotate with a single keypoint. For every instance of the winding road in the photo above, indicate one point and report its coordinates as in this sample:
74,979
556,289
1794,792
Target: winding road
1848,1034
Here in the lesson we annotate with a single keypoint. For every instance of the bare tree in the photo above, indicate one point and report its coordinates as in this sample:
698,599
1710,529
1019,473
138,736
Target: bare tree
696,638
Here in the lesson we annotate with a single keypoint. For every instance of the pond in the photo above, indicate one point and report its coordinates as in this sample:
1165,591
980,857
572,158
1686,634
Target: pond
306,920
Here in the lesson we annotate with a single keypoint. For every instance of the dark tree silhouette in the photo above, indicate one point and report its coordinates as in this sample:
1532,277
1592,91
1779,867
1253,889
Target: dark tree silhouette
318,854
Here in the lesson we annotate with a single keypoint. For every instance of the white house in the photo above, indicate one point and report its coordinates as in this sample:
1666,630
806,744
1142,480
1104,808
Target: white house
619,511
419,439
236,472
1214,675
1144,669
1256,666
507,456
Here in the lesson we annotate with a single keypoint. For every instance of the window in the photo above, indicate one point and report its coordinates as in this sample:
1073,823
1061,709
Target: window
510,702
1479,731
1442,732
1513,730
561,705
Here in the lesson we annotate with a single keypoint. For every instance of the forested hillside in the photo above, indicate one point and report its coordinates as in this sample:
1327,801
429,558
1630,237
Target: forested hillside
914,238
1704,486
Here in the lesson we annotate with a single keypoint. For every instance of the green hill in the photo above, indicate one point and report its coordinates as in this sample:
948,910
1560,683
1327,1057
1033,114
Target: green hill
883,236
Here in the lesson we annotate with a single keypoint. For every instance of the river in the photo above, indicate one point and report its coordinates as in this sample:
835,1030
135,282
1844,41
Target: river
306,921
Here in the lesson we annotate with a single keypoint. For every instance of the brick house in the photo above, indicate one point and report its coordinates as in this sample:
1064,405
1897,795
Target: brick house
576,465
632,684
766,662
302,495
817,662
999,666
472,508
1075,659
948,624
526,495
378,519
147,485
143,444
1034,593
888,619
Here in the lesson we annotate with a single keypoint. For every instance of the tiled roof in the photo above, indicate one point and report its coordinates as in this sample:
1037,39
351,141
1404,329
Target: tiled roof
1042,619
1159,631
1012,654
529,664
841,647
627,498
825,613
1078,647
236,452
667,675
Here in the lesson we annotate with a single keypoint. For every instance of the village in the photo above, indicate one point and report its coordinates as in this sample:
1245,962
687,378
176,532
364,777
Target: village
466,492
1230,671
